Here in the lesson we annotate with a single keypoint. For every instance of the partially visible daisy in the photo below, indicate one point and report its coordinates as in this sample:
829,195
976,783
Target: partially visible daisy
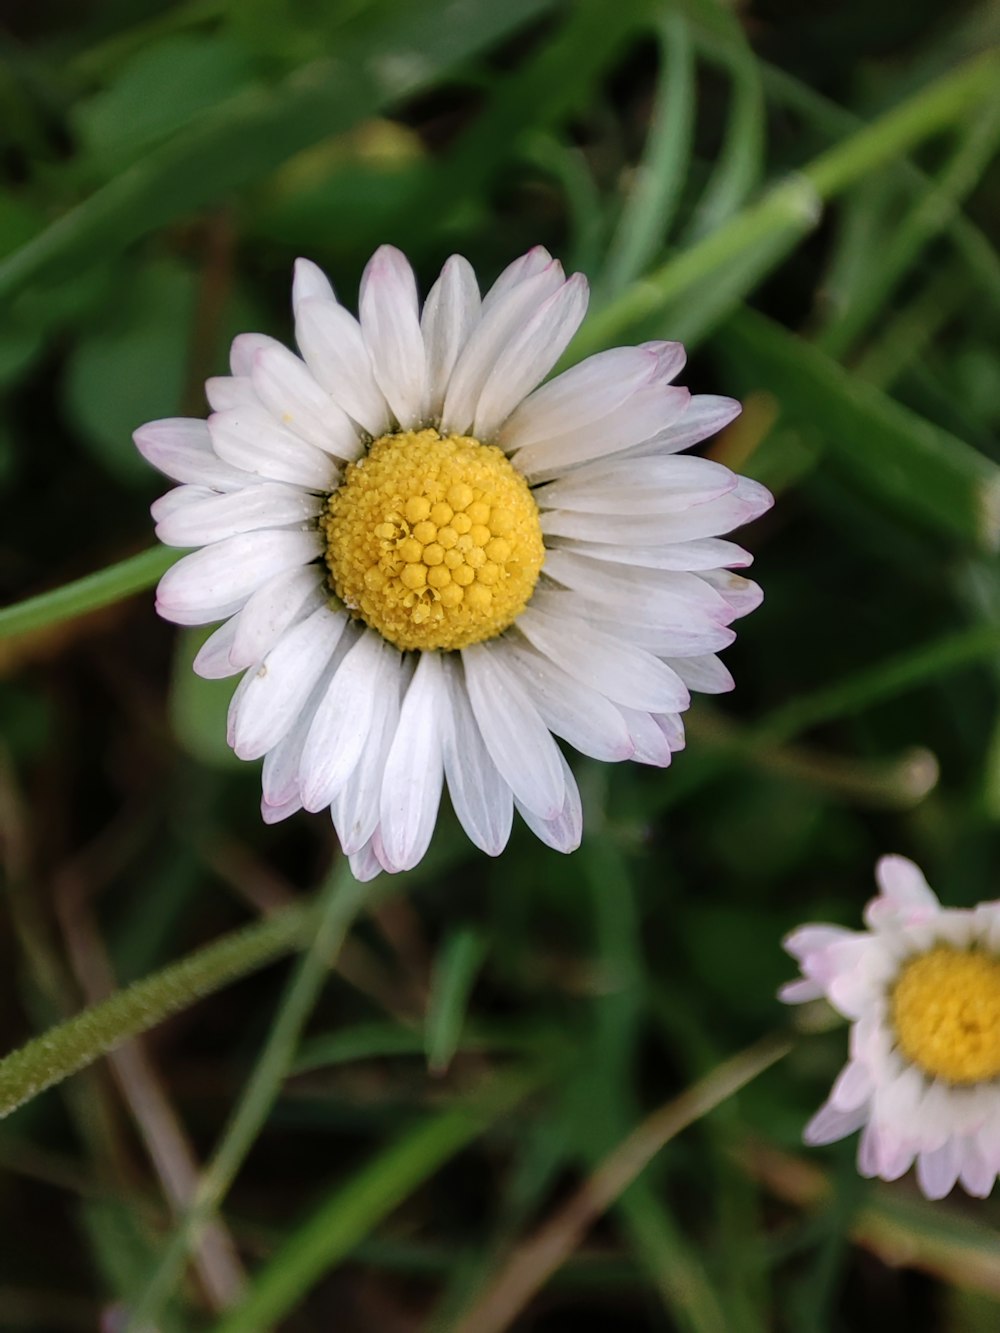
427,565
921,987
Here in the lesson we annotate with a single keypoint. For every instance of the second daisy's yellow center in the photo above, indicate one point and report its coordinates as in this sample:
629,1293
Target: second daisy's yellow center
946,1013
433,540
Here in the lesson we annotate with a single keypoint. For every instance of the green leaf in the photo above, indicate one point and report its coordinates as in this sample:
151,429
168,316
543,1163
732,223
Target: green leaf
132,367
408,48
157,92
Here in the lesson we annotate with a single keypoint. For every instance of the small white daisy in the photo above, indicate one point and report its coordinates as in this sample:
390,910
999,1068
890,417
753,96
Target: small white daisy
427,565
921,987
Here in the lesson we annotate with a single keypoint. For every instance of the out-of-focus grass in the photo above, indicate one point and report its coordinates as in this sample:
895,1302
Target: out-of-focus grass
805,196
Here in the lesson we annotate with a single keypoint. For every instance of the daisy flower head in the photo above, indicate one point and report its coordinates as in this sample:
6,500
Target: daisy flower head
921,987
427,566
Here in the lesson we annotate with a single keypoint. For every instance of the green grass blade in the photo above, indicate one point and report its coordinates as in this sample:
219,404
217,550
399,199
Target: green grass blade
90,593
452,979
659,179
906,462
794,206
885,680
976,148
353,1210
740,165
340,901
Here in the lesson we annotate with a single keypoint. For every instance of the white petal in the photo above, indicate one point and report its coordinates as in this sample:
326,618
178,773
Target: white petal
564,832
805,940
651,486
829,1124
212,659
309,281
580,715
740,594
800,991
535,261
355,808
684,641
182,448
274,814
230,570
937,1171
179,498
518,741
706,674
479,796
245,347
591,391
641,596
414,771
280,686
330,340
647,410
530,355
286,388
390,325
500,321
649,744
343,720
622,673
978,1174
279,778
852,1087
705,415
709,553
226,391
365,864
251,439
747,501
450,313
672,727
277,604
270,505
903,886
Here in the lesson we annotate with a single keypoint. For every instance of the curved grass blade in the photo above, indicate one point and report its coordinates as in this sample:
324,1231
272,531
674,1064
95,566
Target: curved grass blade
655,192
352,1211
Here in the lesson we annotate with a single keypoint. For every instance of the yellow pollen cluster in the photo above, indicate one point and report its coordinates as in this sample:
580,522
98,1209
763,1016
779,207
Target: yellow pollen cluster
433,540
946,1012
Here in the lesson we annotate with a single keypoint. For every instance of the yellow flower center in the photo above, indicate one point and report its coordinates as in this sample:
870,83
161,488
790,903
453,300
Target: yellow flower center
433,540
946,1012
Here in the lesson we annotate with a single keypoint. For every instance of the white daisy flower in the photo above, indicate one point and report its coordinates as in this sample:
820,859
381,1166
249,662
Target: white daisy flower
921,987
427,565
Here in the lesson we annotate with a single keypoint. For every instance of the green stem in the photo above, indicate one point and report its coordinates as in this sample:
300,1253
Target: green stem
87,594
73,1045
795,205
340,901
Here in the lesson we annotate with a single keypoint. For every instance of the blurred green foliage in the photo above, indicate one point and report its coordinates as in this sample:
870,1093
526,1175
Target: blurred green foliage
807,196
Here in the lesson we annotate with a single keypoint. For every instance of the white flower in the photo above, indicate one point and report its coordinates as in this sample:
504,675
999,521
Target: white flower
921,987
375,518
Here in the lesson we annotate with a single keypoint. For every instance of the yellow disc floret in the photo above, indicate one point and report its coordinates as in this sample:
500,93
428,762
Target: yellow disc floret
433,540
946,1013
